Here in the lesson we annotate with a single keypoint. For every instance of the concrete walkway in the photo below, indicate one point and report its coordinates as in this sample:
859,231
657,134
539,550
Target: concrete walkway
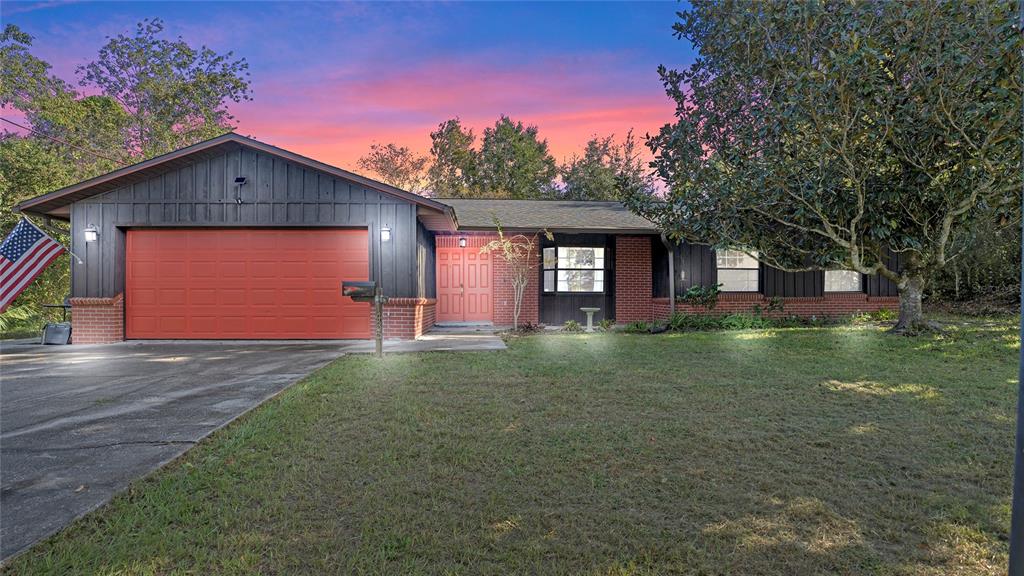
439,339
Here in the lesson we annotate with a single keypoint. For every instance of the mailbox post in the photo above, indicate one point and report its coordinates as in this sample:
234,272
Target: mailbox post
369,292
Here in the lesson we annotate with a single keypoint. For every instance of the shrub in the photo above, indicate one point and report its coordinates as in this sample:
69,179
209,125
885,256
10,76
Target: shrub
744,322
703,296
679,322
571,326
637,327
607,324
529,328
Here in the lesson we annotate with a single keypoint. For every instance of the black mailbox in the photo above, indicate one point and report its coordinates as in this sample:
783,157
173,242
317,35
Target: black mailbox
359,291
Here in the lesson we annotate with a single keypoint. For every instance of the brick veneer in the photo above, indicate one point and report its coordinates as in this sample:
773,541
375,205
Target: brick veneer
829,305
504,296
97,320
632,278
406,318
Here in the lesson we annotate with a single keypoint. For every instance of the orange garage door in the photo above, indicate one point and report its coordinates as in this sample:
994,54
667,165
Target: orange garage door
246,284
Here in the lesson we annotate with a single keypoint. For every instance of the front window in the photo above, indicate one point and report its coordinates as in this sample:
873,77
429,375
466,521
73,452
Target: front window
842,281
737,271
573,269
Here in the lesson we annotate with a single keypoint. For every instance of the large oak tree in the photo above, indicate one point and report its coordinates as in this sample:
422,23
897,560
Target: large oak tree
827,134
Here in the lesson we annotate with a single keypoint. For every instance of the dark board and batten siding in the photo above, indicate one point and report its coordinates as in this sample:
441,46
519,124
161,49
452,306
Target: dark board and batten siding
426,278
775,282
695,266
278,193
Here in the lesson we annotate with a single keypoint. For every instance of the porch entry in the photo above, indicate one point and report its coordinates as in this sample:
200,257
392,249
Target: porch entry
464,288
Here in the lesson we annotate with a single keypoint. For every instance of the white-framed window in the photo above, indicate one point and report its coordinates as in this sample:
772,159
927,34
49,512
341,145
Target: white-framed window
573,269
737,271
842,281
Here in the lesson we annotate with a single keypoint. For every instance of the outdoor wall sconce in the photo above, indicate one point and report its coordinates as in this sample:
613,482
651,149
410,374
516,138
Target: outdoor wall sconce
239,182
462,242
385,234
91,233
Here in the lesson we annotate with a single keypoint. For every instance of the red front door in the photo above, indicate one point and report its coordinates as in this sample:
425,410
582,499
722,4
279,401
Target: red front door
463,281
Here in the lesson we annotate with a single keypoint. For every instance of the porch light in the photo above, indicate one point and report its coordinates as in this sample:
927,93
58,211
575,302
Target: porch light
91,233
462,242
385,234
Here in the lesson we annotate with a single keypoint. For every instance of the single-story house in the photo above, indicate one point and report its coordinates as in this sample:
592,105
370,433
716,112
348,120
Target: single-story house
232,238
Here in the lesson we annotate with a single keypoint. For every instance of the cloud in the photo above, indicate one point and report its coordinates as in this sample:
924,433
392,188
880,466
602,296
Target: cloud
341,112
11,8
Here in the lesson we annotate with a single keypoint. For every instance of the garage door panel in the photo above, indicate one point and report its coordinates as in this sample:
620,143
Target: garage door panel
245,283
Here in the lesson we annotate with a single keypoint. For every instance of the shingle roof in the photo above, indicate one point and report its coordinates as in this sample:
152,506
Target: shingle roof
565,215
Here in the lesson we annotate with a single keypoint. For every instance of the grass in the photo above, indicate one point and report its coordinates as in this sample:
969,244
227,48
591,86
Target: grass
799,451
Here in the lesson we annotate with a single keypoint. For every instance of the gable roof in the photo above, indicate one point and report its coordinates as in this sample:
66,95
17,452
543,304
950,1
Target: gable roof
553,215
56,203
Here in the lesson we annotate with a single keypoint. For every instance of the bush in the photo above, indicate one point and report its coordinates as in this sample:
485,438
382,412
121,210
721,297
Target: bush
637,327
703,296
571,326
744,322
607,324
679,322
529,328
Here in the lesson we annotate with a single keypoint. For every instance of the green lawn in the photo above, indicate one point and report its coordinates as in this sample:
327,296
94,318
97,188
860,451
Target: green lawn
803,451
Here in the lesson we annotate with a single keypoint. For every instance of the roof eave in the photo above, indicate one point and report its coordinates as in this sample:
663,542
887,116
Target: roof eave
56,195
563,230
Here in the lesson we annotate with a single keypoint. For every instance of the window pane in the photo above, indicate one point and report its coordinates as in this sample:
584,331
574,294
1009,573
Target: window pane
737,280
549,258
842,281
735,259
549,280
581,280
585,258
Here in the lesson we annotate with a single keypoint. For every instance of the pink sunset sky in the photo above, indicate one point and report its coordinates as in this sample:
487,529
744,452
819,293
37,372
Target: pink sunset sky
330,79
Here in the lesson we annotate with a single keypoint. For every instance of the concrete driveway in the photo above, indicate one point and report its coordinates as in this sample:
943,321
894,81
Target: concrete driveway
78,423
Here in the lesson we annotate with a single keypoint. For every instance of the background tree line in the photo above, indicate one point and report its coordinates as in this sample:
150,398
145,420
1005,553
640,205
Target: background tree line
512,161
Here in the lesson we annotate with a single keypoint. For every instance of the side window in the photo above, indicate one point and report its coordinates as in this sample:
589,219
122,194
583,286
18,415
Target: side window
737,271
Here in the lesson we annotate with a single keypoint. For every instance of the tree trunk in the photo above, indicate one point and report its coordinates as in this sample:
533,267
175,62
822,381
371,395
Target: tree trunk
911,319
517,303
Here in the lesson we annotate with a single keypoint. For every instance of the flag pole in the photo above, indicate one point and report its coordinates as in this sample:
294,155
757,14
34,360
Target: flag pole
42,227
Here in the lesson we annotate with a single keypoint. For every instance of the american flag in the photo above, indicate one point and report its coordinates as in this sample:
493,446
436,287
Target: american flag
25,253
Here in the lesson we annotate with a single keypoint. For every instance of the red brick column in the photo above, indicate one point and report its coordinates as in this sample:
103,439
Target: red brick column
97,320
632,278
504,296
407,318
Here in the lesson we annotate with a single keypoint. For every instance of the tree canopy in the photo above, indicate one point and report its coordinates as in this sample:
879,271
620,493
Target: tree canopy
453,170
396,165
174,94
605,170
514,162
829,134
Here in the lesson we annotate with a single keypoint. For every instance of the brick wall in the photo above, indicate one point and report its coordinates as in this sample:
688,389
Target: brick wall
97,320
632,278
406,318
829,305
504,300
